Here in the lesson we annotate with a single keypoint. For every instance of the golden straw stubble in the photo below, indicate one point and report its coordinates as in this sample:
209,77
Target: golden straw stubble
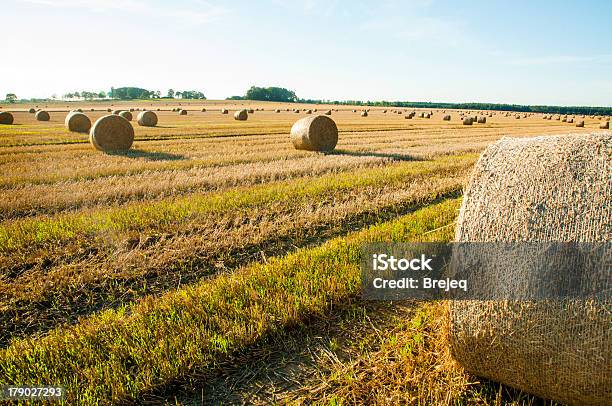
112,133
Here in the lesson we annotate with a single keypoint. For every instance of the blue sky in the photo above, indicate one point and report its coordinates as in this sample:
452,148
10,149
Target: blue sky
530,52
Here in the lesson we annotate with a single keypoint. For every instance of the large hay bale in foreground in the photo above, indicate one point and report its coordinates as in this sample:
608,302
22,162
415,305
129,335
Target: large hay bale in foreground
314,133
6,118
111,133
42,115
557,349
77,122
241,115
127,115
147,118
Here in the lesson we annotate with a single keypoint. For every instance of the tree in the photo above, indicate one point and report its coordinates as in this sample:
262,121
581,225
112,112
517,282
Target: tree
102,94
277,94
178,95
11,97
171,93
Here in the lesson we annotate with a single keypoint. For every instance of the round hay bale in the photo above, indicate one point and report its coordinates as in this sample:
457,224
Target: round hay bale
203,110
277,110
447,117
131,109
354,111
315,110
384,111
250,111
108,110
91,109
6,118
42,115
77,122
328,113
580,123
296,111
364,114
79,110
147,119
241,115
314,133
111,133
556,349
127,115
468,121
564,120
570,120
308,111
182,112
32,110
482,119
427,115
408,117
224,111
605,125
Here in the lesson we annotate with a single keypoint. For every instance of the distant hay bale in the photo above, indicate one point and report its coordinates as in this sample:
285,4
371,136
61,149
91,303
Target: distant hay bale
32,110
315,110
108,110
556,349
147,119
314,133
482,119
250,111
468,121
427,115
6,118
131,110
328,113
384,111
564,120
570,120
127,115
182,112
91,109
42,115
447,117
308,111
408,117
116,112
241,115
580,123
605,125
354,111
277,110
224,111
77,122
203,110
111,133
364,114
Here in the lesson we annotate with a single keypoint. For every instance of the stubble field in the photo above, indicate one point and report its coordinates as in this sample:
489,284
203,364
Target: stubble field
214,262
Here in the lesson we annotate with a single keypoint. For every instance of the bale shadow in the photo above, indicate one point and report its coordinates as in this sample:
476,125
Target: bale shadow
148,155
394,156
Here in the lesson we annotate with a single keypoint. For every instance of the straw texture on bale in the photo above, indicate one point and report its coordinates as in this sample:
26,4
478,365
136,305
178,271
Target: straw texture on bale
111,133
6,118
127,115
241,115
556,349
314,133
42,115
147,119
77,122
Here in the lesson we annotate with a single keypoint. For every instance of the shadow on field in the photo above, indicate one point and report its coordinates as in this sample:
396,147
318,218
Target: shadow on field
148,155
394,156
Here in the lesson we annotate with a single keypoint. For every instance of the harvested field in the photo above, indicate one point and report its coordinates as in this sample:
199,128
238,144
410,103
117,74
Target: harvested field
156,274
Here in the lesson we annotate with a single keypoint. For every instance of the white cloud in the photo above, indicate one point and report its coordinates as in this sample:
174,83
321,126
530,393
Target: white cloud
559,60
